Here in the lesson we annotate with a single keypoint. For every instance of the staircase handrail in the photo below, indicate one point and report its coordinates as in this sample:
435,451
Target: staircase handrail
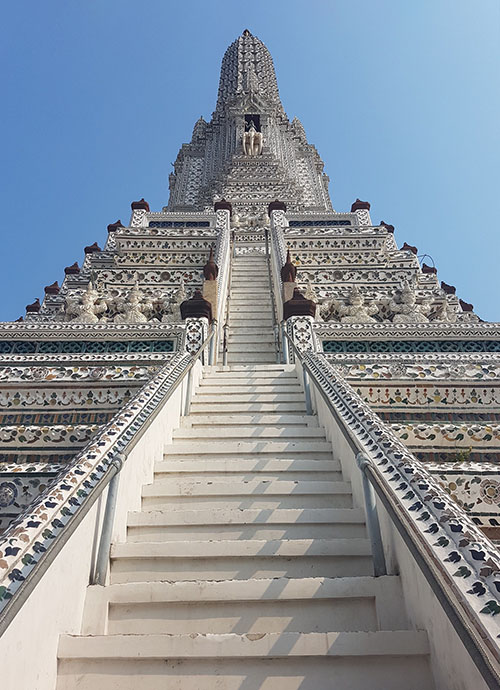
34,539
460,564
227,301
274,306
223,259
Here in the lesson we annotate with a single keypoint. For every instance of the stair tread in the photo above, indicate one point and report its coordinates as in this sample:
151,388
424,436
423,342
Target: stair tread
249,590
275,645
259,548
243,516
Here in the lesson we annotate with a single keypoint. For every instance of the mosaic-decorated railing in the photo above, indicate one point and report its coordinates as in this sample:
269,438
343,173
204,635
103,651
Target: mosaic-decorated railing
27,541
451,543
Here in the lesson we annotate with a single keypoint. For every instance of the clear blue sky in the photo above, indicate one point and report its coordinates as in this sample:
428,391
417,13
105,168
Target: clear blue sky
401,99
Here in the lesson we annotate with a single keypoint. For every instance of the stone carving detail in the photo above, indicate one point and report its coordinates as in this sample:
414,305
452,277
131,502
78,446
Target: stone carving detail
252,141
135,309
356,310
405,307
172,306
88,308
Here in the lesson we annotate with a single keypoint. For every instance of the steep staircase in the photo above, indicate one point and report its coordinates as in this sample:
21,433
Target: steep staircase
250,314
248,567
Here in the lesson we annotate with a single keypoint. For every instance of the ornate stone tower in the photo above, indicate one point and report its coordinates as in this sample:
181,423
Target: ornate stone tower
268,437
249,152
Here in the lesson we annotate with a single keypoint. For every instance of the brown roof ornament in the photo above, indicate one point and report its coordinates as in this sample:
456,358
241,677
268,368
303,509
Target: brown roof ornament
387,226
409,248
466,306
276,206
140,205
52,289
72,270
19,320
429,269
359,205
92,248
112,227
448,289
210,269
299,305
288,270
196,307
223,205
34,307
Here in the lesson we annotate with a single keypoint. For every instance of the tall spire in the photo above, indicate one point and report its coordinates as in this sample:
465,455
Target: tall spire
247,68
249,153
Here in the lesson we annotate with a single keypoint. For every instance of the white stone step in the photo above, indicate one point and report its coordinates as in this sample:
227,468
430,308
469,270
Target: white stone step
253,319
252,420
266,371
205,408
235,431
290,470
284,383
239,559
254,661
251,339
247,606
250,309
247,397
264,496
293,447
260,369
251,389
251,357
168,525
257,301
251,331
269,384
252,348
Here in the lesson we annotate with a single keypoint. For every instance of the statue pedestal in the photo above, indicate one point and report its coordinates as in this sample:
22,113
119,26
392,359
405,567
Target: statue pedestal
210,294
288,289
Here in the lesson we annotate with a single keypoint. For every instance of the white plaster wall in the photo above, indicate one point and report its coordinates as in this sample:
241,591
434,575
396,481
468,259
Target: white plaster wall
28,648
451,664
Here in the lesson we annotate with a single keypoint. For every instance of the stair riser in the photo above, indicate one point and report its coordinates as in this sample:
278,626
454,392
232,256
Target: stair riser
249,476
239,568
249,420
277,398
229,532
250,349
250,390
321,615
307,449
248,433
303,673
243,357
269,502
285,408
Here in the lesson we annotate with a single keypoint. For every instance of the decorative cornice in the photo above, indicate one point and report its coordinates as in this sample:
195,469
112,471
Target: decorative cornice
421,331
98,331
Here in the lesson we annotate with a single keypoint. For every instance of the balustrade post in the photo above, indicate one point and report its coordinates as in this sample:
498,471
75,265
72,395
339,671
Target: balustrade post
372,521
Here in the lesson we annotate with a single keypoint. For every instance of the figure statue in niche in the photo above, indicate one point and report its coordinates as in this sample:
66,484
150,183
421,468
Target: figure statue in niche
134,308
357,310
406,309
249,220
252,141
87,308
172,305
447,310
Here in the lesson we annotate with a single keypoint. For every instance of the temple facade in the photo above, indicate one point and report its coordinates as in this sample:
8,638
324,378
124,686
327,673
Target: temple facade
297,339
